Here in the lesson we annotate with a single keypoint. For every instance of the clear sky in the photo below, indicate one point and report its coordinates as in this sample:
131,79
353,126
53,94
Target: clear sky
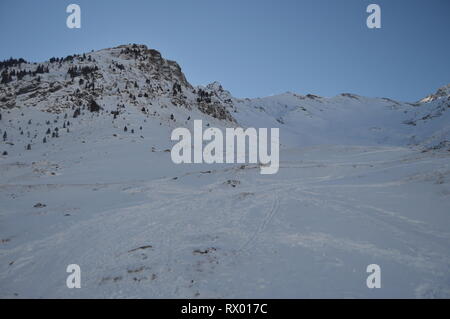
254,47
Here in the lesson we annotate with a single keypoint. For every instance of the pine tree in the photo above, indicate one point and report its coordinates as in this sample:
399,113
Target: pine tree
76,113
28,147
94,107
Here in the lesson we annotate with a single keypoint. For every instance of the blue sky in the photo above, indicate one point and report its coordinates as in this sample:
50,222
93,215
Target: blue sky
254,47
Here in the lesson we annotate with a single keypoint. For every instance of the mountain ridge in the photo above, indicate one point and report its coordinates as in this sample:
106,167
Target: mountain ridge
115,80
135,50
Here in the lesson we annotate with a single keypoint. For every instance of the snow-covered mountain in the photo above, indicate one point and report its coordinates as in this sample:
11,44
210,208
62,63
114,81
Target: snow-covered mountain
86,178
135,77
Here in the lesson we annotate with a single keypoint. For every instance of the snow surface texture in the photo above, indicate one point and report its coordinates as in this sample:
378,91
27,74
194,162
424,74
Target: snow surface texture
361,181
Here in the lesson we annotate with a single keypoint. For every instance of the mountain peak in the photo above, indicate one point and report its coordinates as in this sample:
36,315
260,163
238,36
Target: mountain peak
130,74
442,92
216,86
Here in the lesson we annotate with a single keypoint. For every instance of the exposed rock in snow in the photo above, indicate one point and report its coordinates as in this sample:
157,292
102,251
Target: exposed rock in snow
129,74
443,92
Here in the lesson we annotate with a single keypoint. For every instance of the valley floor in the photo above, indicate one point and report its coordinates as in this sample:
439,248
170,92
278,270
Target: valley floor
200,231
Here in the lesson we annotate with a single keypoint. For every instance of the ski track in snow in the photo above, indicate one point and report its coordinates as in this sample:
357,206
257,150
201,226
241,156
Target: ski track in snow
204,240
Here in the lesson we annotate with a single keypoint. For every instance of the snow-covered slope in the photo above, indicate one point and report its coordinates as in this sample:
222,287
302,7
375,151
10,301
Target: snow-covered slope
362,181
350,119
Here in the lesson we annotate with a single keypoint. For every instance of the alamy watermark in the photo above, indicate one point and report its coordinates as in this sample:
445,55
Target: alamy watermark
374,19
374,279
74,279
74,19
189,149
